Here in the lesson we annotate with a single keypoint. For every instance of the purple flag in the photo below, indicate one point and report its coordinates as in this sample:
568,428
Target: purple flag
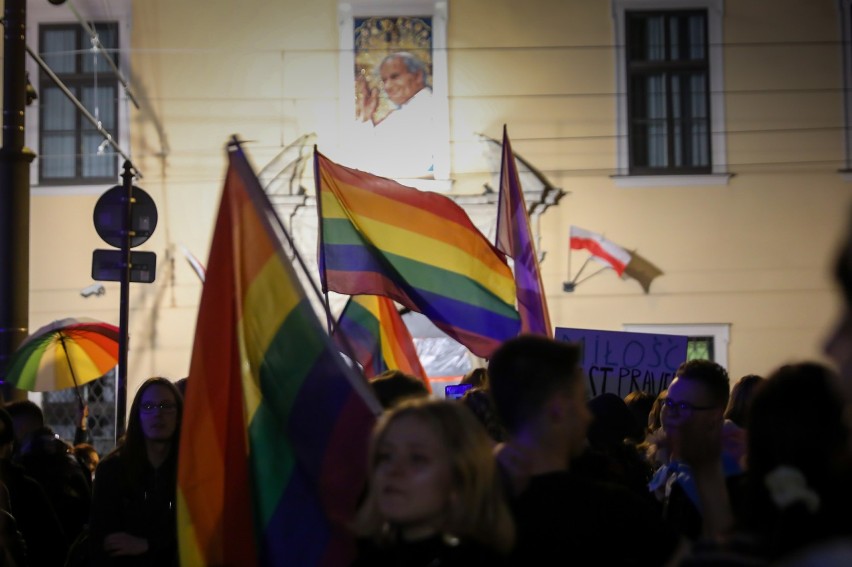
515,240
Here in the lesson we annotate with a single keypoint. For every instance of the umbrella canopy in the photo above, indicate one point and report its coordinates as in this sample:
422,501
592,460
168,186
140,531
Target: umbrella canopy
64,354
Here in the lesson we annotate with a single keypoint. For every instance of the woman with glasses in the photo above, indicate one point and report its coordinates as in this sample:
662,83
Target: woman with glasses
133,520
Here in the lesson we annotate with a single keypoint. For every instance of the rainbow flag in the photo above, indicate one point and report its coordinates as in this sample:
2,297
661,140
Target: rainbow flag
514,239
371,327
419,248
275,428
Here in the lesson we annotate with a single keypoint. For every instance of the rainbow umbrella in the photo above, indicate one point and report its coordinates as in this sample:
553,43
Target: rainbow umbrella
64,354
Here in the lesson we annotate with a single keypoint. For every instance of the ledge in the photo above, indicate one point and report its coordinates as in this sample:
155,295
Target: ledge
671,180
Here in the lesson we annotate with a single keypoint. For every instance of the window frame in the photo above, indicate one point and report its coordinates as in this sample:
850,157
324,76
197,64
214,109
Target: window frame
672,71
717,173
75,82
38,13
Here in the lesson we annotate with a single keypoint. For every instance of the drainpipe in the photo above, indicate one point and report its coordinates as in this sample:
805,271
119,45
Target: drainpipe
15,162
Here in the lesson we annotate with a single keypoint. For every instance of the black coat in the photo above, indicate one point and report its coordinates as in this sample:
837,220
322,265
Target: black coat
146,510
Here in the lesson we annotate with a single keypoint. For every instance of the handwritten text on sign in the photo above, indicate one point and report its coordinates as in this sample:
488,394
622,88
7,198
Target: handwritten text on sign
621,362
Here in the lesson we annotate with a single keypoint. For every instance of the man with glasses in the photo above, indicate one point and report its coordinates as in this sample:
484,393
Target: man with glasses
693,420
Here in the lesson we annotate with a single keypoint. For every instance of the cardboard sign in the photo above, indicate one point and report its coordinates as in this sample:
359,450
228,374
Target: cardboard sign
620,362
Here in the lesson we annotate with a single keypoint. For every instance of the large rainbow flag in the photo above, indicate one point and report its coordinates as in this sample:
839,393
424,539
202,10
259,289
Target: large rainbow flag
275,428
514,239
378,237
372,328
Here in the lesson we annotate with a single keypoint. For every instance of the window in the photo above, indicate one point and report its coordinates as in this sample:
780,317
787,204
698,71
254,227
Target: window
71,149
62,407
667,92
670,108
700,348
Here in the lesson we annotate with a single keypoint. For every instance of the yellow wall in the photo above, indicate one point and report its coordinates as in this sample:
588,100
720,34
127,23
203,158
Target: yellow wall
753,253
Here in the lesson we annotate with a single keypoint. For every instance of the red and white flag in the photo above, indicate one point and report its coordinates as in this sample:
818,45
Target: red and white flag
600,248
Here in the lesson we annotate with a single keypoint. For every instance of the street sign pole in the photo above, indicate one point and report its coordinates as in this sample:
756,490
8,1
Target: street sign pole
124,313
125,216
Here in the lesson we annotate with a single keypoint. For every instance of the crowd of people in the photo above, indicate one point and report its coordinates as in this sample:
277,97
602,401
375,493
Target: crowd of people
524,469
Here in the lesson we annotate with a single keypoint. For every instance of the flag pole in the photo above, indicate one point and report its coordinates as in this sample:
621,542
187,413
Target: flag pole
583,267
323,298
236,143
576,283
321,263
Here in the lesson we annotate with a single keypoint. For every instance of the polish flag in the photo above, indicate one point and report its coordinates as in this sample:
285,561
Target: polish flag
601,249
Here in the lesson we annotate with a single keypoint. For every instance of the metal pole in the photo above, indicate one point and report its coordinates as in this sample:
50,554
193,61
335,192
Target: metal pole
121,383
15,162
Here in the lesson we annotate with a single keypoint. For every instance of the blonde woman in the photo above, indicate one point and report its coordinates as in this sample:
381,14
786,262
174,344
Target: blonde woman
433,495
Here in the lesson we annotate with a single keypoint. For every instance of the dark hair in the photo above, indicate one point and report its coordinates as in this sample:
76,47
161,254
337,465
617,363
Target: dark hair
7,435
741,395
797,420
25,408
132,447
525,371
712,375
656,408
479,401
640,402
391,386
181,386
613,422
478,377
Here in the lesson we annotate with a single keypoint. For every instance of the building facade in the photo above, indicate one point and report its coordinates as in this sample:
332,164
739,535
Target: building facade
711,137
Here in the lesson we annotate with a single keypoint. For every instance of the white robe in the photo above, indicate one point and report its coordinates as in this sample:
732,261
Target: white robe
402,145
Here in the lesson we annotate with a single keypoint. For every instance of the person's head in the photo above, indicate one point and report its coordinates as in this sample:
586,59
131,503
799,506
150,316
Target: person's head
697,395
537,387
431,471
155,414
838,345
639,402
478,400
741,395
613,422
403,75
654,420
88,456
796,418
478,378
392,386
27,417
797,426
181,386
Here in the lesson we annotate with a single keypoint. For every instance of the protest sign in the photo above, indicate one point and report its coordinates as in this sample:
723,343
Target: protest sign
621,362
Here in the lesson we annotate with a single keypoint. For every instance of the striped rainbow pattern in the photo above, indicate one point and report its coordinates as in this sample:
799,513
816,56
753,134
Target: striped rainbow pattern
371,327
43,361
419,248
275,430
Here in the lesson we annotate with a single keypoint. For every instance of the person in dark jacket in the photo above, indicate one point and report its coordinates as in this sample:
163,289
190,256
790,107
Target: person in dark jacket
28,504
133,520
